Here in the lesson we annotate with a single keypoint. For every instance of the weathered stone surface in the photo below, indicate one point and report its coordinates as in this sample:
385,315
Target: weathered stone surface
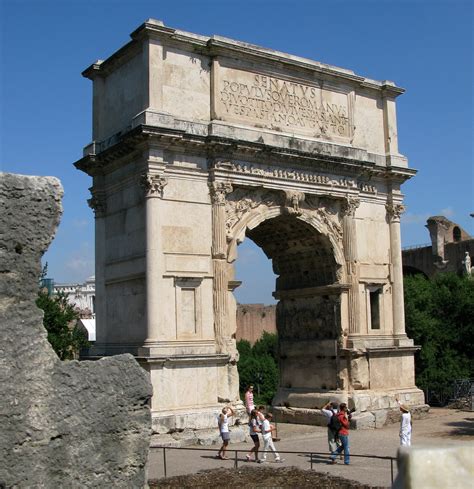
300,416
64,424
435,468
363,421
300,157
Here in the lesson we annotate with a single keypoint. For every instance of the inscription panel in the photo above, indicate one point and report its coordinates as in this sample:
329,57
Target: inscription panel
283,104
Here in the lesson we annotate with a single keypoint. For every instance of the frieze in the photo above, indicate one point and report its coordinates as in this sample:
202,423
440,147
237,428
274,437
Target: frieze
296,175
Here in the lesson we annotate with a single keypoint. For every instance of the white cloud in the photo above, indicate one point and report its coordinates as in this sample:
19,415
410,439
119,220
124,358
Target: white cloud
410,218
447,212
80,223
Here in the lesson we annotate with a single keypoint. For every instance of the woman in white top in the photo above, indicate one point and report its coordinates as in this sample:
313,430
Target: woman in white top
224,430
405,426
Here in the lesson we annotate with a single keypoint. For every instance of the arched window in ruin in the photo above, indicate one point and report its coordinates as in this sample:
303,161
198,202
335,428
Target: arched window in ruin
456,234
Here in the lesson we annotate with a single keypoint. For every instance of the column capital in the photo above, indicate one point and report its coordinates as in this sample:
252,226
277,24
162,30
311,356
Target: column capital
98,203
394,211
218,192
350,205
153,184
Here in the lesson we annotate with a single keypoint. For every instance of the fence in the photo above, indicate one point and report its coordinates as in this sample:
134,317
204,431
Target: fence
457,391
236,458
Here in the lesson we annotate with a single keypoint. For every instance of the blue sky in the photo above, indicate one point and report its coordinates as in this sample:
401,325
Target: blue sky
424,46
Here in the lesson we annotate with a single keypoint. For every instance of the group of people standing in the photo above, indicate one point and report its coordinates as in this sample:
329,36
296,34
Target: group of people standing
338,424
339,418
260,423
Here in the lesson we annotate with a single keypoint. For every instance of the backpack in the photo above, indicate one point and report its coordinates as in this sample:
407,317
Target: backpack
335,424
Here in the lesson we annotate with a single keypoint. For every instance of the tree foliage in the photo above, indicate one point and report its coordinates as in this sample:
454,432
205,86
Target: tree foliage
258,365
439,317
60,319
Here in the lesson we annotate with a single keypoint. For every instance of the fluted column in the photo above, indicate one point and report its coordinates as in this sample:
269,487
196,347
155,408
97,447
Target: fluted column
153,186
394,212
350,254
99,205
218,191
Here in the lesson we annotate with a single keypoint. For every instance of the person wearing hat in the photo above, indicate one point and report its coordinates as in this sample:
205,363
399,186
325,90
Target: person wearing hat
405,426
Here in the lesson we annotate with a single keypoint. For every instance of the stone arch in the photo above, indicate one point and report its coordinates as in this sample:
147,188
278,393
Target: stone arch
309,312
253,218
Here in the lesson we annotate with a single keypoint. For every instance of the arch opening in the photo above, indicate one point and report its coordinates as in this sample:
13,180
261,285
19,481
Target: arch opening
308,309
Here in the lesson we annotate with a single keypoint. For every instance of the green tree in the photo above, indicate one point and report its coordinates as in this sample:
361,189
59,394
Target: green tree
258,365
439,317
60,319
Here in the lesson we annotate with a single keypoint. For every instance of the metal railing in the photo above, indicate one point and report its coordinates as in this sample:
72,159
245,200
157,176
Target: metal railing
415,247
236,459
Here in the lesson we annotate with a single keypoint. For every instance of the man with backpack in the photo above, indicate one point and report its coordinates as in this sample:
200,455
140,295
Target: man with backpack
341,421
330,411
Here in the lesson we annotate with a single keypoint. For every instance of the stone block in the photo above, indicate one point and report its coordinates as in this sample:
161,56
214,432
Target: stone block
299,416
380,418
64,424
208,437
363,421
435,468
164,440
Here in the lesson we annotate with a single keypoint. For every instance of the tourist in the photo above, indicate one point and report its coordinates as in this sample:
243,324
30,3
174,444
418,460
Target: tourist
405,426
249,405
343,416
254,428
329,410
267,429
223,423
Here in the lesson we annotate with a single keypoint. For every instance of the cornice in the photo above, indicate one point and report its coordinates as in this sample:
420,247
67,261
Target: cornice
213,146
217,45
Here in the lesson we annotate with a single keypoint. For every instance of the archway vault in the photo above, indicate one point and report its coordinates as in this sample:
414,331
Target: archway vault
302,236
250,210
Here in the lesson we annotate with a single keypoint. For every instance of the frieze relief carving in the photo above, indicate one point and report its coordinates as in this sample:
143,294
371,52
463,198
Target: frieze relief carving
297,175
243,200
292,202
326,211
153,184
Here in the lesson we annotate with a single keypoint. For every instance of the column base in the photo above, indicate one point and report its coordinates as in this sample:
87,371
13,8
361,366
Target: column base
373,408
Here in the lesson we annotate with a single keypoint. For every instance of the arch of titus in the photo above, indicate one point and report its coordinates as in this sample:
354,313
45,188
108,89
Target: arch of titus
201,142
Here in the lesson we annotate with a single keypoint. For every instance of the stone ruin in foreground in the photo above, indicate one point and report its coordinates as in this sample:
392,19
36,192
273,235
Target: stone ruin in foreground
63,424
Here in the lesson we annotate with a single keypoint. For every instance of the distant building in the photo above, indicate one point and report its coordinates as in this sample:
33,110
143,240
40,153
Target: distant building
253,320
82,296
446,253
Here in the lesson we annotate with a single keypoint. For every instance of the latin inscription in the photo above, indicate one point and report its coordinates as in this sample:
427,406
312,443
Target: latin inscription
273,102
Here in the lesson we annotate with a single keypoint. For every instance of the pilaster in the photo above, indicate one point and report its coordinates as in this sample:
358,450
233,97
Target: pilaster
349,208
98,203
218,192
